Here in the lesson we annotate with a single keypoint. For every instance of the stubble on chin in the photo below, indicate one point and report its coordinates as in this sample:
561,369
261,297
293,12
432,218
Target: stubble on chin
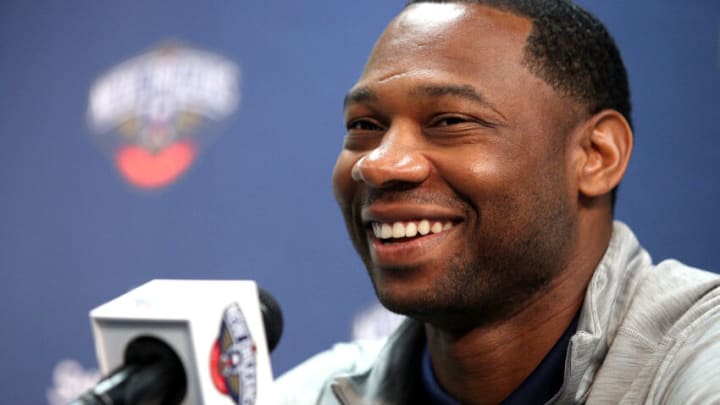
467,295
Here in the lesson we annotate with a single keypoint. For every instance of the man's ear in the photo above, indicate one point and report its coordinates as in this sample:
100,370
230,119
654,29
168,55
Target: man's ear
606,142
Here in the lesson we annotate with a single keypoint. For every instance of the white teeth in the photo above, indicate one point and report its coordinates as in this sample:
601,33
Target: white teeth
377,229
410,230
397,230
437,227
424,227
385,231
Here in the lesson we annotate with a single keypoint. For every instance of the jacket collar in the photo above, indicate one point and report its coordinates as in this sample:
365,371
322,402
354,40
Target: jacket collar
607,300
395,374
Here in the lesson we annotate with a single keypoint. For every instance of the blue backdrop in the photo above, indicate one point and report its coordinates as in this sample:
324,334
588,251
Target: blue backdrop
257,204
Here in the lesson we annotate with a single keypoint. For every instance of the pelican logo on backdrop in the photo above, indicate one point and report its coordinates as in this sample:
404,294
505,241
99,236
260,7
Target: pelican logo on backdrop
150,111
232,359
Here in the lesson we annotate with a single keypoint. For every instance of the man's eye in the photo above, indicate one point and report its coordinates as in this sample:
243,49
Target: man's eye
448,121
363,125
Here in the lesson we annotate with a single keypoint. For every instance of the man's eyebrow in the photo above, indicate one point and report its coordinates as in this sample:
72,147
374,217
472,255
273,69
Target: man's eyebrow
466,91
463,91
359,95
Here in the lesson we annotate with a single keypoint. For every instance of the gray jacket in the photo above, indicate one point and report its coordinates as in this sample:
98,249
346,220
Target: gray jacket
647,334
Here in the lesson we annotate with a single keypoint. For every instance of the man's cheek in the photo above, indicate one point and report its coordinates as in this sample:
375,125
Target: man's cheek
343,184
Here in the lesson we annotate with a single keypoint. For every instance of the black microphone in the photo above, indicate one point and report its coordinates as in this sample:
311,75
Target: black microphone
272,318
152,373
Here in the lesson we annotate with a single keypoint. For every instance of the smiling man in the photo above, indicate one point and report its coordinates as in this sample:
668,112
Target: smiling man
485,142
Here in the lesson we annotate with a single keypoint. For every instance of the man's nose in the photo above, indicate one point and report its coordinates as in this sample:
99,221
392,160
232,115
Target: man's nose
396,160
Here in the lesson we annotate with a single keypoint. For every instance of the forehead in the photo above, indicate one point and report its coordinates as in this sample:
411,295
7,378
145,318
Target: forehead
455,38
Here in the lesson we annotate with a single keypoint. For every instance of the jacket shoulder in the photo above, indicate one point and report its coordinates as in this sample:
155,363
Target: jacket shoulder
309,382
668,342
668,299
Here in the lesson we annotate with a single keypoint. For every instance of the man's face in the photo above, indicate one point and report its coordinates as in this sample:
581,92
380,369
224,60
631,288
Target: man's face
455,177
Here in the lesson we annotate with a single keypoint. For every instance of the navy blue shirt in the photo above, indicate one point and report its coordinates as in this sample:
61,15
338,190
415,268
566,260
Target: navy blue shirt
540,386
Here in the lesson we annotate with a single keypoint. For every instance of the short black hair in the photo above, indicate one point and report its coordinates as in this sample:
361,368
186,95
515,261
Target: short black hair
572,51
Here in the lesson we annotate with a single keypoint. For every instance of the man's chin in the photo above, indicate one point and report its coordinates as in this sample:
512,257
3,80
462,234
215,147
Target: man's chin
421,307
449,320
454,315
404,302
411,292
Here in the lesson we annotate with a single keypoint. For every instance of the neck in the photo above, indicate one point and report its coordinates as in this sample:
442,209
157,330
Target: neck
486,364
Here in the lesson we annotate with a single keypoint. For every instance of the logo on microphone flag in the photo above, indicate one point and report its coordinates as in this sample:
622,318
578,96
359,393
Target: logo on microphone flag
232,359
152,111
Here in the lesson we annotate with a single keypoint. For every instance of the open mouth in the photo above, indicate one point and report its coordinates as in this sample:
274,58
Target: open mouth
396,232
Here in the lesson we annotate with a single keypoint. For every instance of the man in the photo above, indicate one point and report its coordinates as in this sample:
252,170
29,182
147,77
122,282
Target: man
485,143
